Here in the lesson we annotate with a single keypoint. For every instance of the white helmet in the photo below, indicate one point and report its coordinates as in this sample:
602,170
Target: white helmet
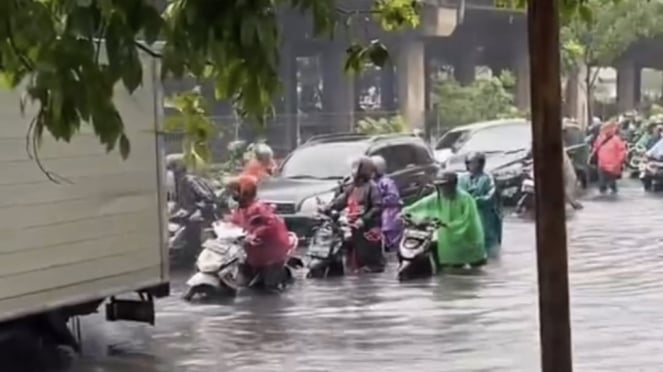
263,151
380,164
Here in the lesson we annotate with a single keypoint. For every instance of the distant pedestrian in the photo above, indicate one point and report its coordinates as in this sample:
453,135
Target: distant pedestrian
609,152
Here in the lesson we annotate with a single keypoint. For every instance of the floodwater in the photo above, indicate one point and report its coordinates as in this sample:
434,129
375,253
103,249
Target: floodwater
450,323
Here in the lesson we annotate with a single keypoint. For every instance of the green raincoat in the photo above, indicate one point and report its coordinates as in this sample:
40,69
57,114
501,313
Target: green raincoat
461,241
482,188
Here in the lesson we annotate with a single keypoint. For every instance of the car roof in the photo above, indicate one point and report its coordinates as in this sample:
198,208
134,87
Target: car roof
488,124
370,140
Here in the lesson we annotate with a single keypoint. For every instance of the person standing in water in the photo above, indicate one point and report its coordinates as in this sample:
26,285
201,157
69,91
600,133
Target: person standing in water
460,241
392,225
610,152
363,203
481,186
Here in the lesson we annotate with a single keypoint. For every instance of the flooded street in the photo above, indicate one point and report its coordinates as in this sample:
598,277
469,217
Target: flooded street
451,323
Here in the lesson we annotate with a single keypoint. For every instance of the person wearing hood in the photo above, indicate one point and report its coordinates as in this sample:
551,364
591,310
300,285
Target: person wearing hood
262,164
363,202
481,186
392,225
610,152
268,242
460,240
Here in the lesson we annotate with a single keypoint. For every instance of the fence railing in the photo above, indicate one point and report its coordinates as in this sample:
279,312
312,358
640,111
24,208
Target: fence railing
285,132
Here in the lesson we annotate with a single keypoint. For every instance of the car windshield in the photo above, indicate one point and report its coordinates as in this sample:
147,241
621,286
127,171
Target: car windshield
323,161
451,140
500,138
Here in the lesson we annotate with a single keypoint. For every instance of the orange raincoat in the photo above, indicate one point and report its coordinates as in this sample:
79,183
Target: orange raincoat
259,170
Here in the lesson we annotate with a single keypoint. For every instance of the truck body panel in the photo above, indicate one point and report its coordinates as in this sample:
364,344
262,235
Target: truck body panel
98,232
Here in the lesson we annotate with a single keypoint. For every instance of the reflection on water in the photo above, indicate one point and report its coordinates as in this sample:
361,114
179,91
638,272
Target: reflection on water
486,322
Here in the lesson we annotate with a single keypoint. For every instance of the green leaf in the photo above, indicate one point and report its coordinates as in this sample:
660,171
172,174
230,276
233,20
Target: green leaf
125,146
132,74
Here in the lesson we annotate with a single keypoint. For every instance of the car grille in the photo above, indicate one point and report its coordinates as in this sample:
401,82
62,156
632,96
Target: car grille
283,208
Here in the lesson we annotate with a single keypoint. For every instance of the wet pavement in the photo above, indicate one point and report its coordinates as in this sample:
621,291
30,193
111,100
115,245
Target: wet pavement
449,323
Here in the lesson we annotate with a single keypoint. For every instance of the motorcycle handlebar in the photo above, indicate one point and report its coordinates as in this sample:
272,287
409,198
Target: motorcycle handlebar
428,222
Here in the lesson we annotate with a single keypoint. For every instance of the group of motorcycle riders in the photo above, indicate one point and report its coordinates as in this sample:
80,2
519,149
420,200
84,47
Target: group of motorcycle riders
467,207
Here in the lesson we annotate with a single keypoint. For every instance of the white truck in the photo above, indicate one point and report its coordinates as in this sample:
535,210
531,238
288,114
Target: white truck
101,232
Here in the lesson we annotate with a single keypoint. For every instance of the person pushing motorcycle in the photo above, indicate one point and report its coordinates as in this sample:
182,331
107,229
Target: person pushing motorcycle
267,242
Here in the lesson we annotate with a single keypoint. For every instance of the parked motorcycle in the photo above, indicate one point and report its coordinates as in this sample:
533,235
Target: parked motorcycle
325,251
651,174
218,267
415,253
527,198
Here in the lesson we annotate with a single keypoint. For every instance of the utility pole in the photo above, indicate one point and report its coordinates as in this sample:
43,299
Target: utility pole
554,315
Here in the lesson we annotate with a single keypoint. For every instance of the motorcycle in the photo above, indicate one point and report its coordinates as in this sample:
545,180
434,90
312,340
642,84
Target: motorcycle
651,174
635,157
526,201
218,267
415,252
325,251
186,230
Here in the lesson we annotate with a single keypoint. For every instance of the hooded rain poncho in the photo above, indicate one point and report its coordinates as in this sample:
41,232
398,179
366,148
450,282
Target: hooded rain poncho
482,188
461,241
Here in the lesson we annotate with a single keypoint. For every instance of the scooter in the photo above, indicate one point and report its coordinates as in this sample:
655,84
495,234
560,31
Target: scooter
526,201
651,174
325,250
415,252
218,265
186,230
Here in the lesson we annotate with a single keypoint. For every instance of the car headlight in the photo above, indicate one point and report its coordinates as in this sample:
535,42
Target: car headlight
310,205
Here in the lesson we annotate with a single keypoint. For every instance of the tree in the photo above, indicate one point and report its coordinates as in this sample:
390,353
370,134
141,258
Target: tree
605,33
393,124
55,46
484,99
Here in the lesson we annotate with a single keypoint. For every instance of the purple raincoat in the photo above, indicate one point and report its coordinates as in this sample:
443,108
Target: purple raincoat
392,225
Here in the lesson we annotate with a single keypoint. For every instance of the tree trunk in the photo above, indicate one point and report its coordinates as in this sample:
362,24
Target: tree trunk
554,317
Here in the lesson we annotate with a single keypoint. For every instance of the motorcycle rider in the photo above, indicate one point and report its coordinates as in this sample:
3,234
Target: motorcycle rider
186,189
481,186
262,164
364,207
392,225
267,242
460,241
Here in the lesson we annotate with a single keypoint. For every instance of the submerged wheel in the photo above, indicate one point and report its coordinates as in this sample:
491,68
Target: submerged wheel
647,184
204,290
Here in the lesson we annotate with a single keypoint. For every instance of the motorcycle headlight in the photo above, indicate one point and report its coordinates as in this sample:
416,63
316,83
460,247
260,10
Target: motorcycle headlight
310,205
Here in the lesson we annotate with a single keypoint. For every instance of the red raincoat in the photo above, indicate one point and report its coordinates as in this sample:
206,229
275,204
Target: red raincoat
610,151
259,220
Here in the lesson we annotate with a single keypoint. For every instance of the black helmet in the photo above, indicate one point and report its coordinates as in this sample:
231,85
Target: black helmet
476,156
444,178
